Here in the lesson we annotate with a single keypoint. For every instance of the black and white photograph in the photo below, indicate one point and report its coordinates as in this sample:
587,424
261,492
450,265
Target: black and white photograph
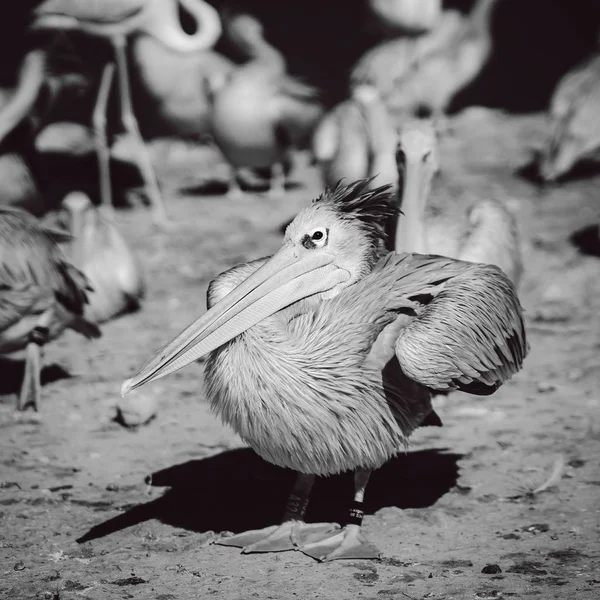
300,299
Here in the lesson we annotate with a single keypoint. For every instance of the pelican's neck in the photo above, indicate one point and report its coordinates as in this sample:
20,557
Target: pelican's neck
410,231
163,24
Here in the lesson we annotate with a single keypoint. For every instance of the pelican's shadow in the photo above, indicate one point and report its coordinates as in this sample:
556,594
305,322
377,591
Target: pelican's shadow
237,491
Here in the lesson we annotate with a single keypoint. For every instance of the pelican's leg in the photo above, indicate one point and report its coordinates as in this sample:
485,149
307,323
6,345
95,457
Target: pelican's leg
31,388
349,541
277,182
292,531
99,124
131,126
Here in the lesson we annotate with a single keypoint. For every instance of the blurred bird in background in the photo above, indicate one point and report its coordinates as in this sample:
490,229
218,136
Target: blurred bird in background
41,294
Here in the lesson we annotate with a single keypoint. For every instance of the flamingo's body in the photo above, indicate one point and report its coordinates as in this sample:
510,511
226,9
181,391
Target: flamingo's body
356,140
406,16
41,294
574,121
102,254
484,233
324,356
261,113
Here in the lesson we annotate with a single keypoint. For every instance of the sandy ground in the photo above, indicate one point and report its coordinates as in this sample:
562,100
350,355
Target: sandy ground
461,499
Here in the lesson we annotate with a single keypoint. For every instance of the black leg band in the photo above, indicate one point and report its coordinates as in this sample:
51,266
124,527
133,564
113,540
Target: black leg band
355,514
295,507
39,335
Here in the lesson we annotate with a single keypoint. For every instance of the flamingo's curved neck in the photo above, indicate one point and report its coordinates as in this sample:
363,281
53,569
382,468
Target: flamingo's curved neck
163,23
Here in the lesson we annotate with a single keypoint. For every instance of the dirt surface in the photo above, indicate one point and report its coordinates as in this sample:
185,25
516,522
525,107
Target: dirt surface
456,517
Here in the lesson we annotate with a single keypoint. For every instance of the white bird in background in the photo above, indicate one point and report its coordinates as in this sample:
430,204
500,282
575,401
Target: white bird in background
574,121
421,75
357,140
485,233
41,294
406,16
261,113
100,251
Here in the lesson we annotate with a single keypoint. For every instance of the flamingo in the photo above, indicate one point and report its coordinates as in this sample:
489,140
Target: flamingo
102,254
116,21
261,112
485,233
324,356
406,16
41,294
356,140
574,120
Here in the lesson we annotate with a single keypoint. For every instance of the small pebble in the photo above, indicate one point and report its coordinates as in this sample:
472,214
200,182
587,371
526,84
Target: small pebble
20,566
136,409
536,528
112,487
543,387
491,569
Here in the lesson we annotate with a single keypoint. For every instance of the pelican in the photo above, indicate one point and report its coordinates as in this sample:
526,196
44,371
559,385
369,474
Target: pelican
41,294
102,254
407,16
574,121
324,356
116,21
440,75
422,76
356,140
261,112
390,60
485,233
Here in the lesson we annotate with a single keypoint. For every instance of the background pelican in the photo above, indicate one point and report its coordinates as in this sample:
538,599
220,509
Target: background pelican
101,252
357,139
41,294
484,232
324,358
574,121
261,113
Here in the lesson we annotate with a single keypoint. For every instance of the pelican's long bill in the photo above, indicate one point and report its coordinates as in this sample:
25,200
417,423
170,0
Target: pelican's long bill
288,276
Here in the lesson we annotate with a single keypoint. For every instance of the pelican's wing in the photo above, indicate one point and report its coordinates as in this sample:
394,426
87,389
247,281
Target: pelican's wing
31,259
468,331
16,303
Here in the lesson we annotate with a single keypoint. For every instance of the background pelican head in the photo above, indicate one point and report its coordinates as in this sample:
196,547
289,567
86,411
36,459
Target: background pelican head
327,247
417,158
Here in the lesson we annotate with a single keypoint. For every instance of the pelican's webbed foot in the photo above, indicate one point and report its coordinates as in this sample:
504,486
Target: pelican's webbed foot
344,543
290,535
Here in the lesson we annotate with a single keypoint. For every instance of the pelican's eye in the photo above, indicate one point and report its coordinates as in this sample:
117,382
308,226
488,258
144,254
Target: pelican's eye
319,236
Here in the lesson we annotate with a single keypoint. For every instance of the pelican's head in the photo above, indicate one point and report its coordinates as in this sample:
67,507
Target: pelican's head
417,159
327,247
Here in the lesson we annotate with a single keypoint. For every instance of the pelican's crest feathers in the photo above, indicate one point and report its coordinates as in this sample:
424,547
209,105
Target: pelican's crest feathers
374,208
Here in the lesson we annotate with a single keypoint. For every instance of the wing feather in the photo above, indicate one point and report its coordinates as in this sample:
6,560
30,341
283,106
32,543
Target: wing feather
466,328
471,334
